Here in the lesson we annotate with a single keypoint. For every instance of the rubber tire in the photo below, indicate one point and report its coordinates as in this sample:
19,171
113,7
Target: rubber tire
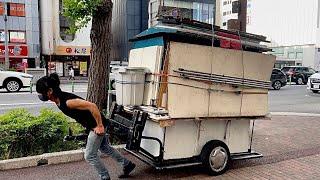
315,91
9,80
205,153
302,82
273,85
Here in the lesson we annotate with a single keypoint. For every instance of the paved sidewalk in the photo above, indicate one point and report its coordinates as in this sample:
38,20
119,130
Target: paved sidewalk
290,145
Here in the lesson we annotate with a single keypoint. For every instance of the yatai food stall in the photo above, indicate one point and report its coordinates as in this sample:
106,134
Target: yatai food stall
191,95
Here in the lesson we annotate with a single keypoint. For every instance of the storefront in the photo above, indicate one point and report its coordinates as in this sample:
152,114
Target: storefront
18,57
66,57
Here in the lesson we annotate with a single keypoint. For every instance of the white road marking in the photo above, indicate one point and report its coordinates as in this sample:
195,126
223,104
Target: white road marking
295,114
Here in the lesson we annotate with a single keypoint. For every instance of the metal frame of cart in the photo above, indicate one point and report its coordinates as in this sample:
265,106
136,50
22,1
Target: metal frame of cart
215,154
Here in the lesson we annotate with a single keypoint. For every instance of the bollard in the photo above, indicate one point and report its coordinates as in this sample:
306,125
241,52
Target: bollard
290,80
72,86
31,87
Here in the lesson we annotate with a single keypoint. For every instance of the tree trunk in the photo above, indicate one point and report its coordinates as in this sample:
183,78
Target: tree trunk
101,39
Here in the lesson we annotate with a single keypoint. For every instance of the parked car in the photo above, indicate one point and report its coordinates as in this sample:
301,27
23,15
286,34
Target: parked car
298,74
14,81
314,83
278,79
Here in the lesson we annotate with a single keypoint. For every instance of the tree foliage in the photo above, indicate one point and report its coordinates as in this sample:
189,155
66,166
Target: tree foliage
79,12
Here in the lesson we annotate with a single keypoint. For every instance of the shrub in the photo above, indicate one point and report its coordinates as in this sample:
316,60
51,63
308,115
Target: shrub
22,134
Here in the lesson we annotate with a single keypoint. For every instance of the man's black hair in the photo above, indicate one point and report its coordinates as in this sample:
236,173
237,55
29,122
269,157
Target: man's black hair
45,83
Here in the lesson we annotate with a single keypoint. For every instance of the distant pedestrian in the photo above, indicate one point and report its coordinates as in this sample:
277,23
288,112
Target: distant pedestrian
71,74
89,116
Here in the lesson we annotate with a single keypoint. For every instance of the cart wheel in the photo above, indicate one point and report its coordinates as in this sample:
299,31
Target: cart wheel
215,157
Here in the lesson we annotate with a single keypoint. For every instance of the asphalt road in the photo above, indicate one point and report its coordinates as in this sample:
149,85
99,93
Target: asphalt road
30,101
289,99
294,98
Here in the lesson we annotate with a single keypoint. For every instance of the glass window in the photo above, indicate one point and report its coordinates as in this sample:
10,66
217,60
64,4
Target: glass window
305,69
192,9
278,50
292,55
311,70
2,36
1,8
299,55
15,9
298,69
17,37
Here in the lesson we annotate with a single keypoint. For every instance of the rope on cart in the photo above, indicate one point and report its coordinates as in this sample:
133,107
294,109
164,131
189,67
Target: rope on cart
242,70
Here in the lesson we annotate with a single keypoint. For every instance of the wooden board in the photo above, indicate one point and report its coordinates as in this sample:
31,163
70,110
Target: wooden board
224,103
184,101
150,58
189,98
258,66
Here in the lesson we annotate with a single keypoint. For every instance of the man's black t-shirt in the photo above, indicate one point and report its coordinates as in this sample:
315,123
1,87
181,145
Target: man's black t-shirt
84,117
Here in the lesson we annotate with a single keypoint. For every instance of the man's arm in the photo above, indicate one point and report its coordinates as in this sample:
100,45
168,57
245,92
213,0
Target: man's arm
86,105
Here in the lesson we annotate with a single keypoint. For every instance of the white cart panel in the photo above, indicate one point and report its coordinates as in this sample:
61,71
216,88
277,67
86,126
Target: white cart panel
152,129
181,140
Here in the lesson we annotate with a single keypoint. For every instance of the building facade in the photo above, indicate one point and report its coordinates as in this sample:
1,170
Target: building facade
129,18
199,10
23,33
297,55
226,13
61,50
294,32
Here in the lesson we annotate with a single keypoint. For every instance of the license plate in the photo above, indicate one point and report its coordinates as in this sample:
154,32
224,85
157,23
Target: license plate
316,86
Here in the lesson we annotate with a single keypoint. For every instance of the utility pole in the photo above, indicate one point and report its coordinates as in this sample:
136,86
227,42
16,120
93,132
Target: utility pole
242,15
6,35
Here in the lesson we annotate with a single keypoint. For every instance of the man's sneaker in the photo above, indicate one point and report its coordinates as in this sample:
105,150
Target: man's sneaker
127,170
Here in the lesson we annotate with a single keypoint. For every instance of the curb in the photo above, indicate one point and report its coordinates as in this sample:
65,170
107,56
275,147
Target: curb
46,159
295,114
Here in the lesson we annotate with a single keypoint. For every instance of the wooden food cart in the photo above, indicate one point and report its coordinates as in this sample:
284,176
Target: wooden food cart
203,90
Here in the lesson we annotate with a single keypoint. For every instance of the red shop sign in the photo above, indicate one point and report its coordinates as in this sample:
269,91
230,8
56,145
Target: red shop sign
15,51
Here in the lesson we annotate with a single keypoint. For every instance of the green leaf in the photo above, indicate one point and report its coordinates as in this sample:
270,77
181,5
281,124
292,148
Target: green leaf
79,12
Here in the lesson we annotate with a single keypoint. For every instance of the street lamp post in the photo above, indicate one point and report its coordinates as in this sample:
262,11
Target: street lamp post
6,44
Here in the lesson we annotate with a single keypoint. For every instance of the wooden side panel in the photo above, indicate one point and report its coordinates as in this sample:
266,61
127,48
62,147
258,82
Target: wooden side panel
183,99
258,66
149,57
190,57
255,105
187,102
189,98
227,62
224,103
